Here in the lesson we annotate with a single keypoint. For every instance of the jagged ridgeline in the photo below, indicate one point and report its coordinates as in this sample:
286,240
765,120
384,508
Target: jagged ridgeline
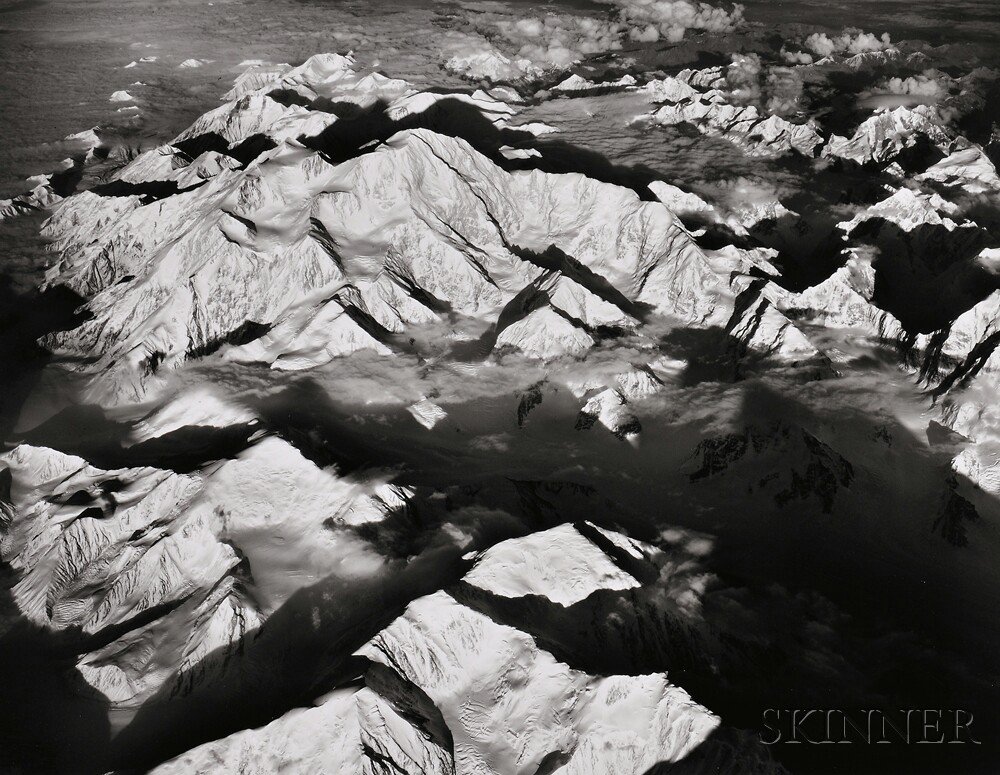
406,437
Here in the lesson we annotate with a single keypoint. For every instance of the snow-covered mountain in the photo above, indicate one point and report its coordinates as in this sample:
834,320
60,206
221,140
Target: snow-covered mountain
394,431
291,260
448,688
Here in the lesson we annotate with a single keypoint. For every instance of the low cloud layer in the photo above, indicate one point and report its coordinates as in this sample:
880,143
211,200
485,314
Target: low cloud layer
923,85
927,88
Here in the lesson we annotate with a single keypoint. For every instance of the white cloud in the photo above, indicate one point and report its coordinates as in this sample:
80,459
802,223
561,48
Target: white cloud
558,40
743,76
650,20
783,88
774,89
927,88
923,85
796,57
851,42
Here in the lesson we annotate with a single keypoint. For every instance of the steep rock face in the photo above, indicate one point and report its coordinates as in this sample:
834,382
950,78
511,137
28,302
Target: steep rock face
976,330
928,264
67,533
167,163
705,79
970,414
967,348
547,334
746,261
873,60
953,515
484,669
557,315
971,410
806,467
757,323
256,114
612,403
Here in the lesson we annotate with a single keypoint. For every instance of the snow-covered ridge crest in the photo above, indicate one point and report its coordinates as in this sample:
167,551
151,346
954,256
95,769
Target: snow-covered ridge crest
451,689
168,583
162,575
320,74
718,101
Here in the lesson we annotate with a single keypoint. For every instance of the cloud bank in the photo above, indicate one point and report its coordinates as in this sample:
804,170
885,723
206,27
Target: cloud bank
857,43
506,46
850,42
559,40
653,20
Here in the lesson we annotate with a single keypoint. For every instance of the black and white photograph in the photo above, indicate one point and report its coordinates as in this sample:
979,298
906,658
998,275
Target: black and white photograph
494,387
